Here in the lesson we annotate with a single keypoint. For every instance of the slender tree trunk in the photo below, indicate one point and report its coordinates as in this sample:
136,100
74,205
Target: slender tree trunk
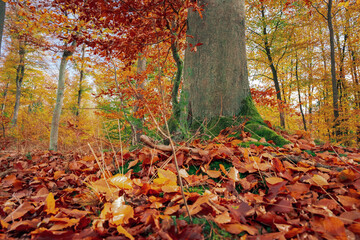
59,98
3,105
177,81
141,67
333,65
298,90
273,70
20,72
81,78
2,20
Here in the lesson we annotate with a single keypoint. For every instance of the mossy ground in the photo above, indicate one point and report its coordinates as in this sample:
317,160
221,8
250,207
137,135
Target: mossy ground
248,115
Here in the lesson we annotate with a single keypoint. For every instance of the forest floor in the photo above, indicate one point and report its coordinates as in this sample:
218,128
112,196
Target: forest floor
234,187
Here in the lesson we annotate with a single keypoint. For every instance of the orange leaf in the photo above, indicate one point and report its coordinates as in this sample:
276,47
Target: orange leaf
50,204
238,228
170,189
58,174
121,181
223,218
213,173
335,227
222,168
355,228
123,231
274,180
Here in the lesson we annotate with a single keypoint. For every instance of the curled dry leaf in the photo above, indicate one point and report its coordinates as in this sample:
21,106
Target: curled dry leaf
274,180
121,212
121,181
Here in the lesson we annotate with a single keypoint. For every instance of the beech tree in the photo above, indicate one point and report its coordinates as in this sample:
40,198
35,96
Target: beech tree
216,75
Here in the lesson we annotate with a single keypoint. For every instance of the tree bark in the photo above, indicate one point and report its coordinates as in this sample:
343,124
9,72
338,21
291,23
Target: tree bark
59,99
81,78
273,70
298,90
2,20
216,73
333,64
177,81
137,131
20,72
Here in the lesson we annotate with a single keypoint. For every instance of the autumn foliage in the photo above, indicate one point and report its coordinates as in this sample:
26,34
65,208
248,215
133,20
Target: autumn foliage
300,190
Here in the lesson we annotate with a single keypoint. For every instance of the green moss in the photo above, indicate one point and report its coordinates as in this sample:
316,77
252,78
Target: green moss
258,131
310,152
198,189
248,144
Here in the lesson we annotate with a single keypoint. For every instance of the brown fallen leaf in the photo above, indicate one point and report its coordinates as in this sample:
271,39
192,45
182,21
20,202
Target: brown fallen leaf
20,211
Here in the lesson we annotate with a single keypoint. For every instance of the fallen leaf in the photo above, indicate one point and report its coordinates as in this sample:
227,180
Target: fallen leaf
274,180
19,212
121,181
50,205
319,180
122,230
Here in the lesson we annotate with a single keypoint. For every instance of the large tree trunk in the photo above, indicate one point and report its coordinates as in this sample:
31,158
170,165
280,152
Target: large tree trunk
20,72
215,74
217,71
59,99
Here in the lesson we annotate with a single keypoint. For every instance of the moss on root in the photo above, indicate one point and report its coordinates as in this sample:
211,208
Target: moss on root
258,131
248,113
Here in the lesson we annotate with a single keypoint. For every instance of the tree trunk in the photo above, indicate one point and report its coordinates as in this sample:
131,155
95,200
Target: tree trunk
81,78
217,71
333,65
298,90
137,131
273,70
177,81
20,72
59,99
215,74
2,20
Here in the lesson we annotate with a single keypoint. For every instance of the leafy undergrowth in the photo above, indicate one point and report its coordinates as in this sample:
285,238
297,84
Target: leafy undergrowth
298,191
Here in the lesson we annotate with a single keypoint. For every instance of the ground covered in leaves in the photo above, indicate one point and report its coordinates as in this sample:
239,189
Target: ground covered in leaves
235,187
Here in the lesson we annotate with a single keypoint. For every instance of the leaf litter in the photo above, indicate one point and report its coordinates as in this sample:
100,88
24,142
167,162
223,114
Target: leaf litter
298,191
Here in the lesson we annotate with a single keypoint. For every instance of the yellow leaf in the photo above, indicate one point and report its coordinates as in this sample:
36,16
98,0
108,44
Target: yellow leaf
121,181
319,180
50,204
234,174
58,174
274,180
121,212
166,177
123,231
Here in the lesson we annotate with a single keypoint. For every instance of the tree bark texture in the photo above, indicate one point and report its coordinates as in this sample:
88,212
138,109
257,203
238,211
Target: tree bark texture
2,20
333,63
20,72
59,100
273,69
216,73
